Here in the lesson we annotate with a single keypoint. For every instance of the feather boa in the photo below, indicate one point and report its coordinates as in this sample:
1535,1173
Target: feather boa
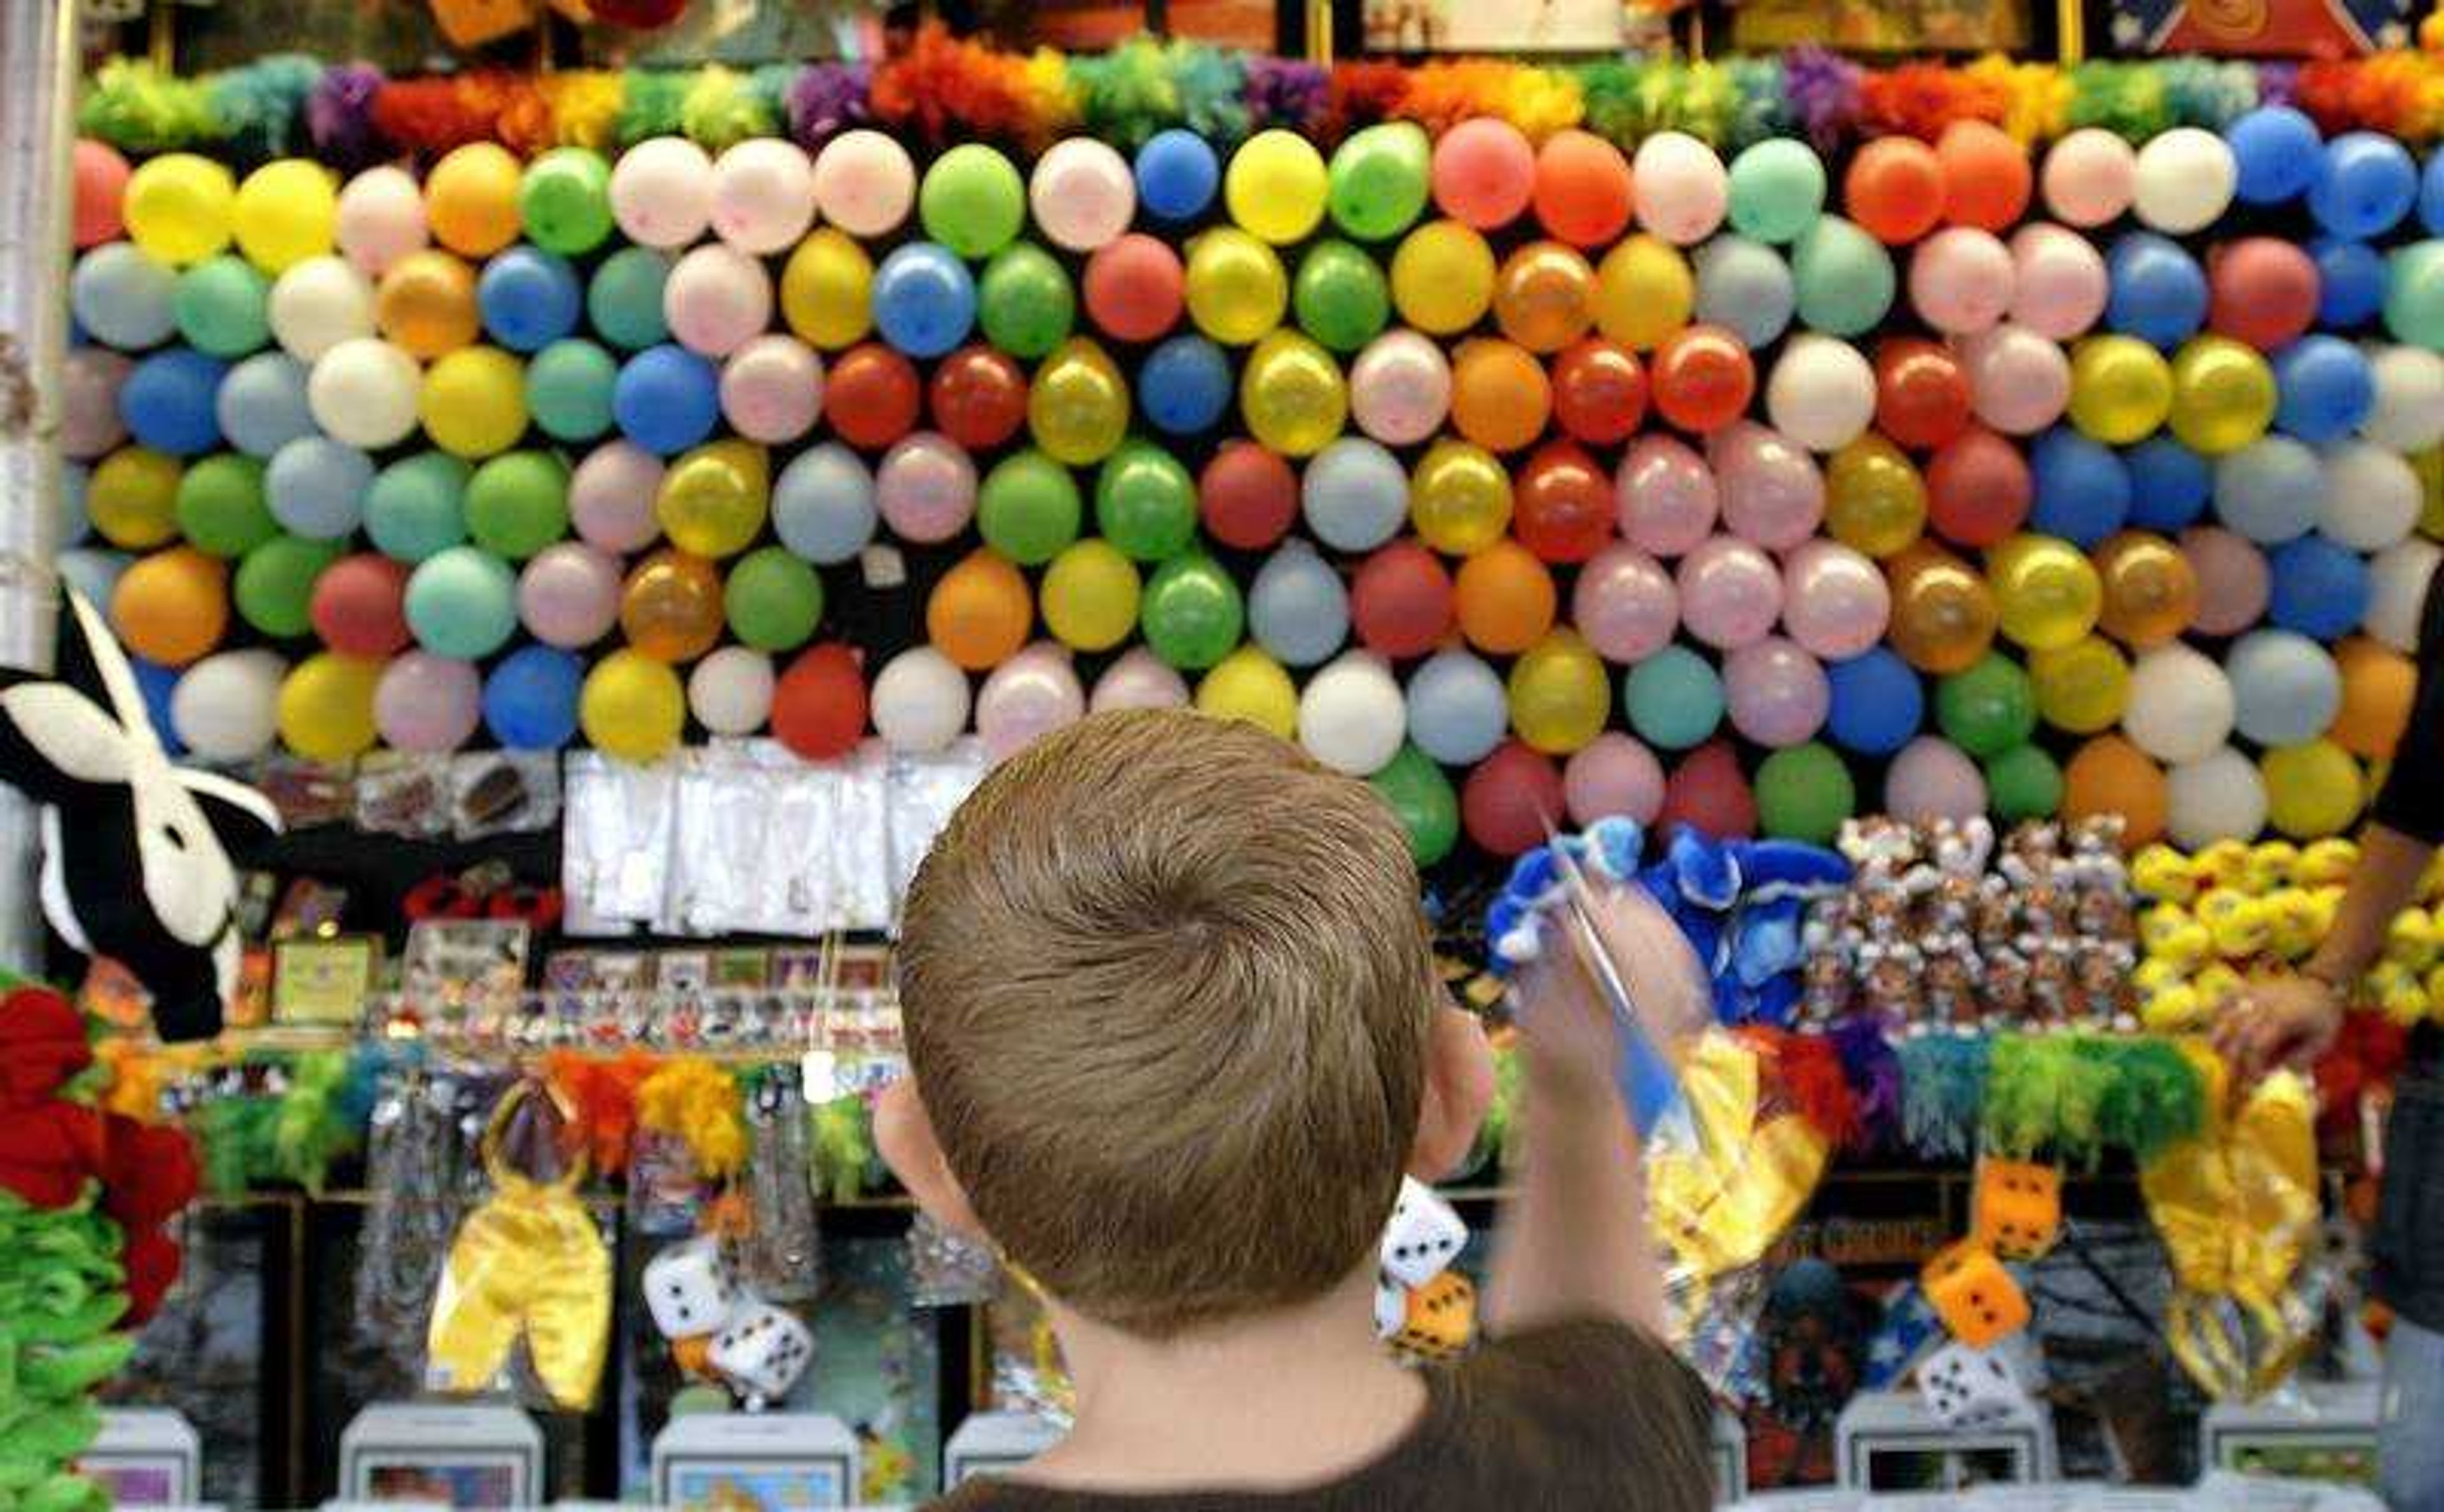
699,1103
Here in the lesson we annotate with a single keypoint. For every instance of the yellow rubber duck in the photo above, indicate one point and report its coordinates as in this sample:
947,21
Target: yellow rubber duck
2326,862
2154,974
2270,864
2170,934
2292,929
2175,1010
2163,873
2223,864
2410,940
2398,992
2216,984
2324,902
2238,923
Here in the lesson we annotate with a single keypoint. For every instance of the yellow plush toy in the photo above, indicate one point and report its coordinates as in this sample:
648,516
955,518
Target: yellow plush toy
2326,863
2163,873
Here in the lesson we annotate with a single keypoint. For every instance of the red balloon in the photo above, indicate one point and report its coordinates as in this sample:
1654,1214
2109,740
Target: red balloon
870,396
1702,379
359,605
1400,601
1247,496
1133,288
1599,390
2261,290
1509,798
1986,175
1977,489
819,704
1707,792
1894,189
1562,504
978,396
1921,395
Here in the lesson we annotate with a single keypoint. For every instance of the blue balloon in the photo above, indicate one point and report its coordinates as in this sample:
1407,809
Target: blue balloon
1877,702
261,406
529,298
1184,385
2431,194
2275,149
2157,291
822,503
2320,588
1457,710
1298,608
75,524
155,682
2169,484
92,571
924,299
2350,282
531,698
2082,489
2326,387
1746,287
1177,175
2270,489
2365,184
624,300
667,399
170,401
316,487
123,298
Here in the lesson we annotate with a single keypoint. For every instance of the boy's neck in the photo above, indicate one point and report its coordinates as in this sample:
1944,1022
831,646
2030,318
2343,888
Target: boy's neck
1298,1396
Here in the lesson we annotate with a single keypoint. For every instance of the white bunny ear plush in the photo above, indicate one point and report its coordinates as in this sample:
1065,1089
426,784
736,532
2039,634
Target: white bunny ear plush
135,863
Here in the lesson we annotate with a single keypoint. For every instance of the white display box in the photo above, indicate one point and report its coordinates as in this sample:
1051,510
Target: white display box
774,1461
2314,1432
991,1443
1888,1442
442,1453
146,1457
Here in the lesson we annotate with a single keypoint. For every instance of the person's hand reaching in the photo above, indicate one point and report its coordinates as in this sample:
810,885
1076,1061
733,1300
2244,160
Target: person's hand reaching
2288,1021
1570,1037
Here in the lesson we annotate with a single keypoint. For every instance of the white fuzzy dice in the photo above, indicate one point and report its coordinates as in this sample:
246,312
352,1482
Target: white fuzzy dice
1971,1388
763,1352
690,1289
1424,1235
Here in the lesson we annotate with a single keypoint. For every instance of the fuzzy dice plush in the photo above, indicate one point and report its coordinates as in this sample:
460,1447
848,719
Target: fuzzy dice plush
1975,1296
2016,1210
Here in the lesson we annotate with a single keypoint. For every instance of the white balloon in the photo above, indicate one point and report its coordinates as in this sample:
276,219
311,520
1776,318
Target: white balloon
1026,698
1821,394
731,691
2181,705
2372,496
2285,687
1082,194
763,195
364,392
1139,680
226,708
2219,797
2408,415
2398,581
319,304
662,191
2185,178
381,218
919,700
1676,157
1350,716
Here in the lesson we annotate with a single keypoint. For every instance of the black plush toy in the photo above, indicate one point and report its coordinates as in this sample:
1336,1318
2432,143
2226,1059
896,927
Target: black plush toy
134,857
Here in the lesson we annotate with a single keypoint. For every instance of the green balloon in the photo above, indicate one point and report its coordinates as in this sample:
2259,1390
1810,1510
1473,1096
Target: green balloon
1340,296
221,305
1023,301
1421,799
1146,503
1804,793
1376,184
1675,698
1029,508
1844,277
1777,189
1988,707
275,583
1191,612
517,504
220,506
773,599
2022,782
565,201
568,389
624,300
972,201
416,506
2413,294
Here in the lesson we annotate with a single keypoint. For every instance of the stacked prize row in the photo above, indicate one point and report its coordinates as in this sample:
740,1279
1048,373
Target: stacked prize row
1429,453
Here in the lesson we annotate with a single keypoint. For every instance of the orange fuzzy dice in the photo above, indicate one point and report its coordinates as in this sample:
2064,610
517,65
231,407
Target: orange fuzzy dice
1442,1316
1975,1296
2016,1210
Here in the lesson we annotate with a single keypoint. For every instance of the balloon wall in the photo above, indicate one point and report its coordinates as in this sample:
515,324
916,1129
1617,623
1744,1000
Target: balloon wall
1755,446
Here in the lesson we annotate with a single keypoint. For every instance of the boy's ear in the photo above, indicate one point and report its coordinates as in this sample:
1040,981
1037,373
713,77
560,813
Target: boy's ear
903,1133
1459,1088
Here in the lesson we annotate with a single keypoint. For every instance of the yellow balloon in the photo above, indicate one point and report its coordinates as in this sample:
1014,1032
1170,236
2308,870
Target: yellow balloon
632,707
2429,465
2045,591
2311,791
1090,595
471,199
825,290
1875,501
1249,685
1235,287
1560,696
1459,498
2121,389
1644,291
132,498
2223,396
2082,687
286,213
1275,186
474,402
1078,404
1292,395
326,712
714,499
1442,278
179,208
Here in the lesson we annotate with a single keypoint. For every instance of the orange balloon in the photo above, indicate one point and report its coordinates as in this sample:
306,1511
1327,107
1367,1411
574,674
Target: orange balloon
2151,591
671,608
1894,189
1505,598
1500,396
426,305
1583,187
2111,776
172,606
1543,298
1986,175
2377,685
980,612
1943,614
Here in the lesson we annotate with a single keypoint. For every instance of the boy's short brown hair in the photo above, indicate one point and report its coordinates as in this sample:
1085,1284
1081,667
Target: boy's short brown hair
1167,989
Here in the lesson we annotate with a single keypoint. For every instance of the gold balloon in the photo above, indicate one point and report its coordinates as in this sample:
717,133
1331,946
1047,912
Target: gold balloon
1644,291
1544,299
712,500
1875,501
2223,396
1292,395
2121,389
1560,696
1943,614
1078,405
426,305
2045,591
1235,285
2083,686
1459,498
671,608
2151,591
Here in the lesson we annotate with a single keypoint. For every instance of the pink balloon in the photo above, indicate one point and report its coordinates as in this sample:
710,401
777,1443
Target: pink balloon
662,191
1082,194
1932,778
1682,188
1033,694
926,487
568,595
1731,593
1140,679
1612,774
2234,582
1399,388
89,381
1835,601
1775,693
2019,382
716,299
381,218
1961,280
1667,499
1625,605
2089,176
773,389
864,182
1772,492
2059,287
763,195
428,703
1484,173
611,497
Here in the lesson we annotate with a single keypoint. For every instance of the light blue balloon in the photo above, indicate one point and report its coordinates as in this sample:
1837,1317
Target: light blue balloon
462,602
1746,288
123,298
822,503
1457,709
416,506
1355,494
624,300
315,487
2284,687
261,404
1298,608
92,571
924,299
568,390
1675,698
75,525
2270,489
1844,277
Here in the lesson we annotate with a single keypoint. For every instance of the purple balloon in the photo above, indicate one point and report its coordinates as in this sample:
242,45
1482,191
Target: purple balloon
569,595
611,497
1625,605
1731,593
1932,779
926,487
1140,679
427,703
1775,693
1030,696
1667,495
1773,491
1612,774
1833,600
